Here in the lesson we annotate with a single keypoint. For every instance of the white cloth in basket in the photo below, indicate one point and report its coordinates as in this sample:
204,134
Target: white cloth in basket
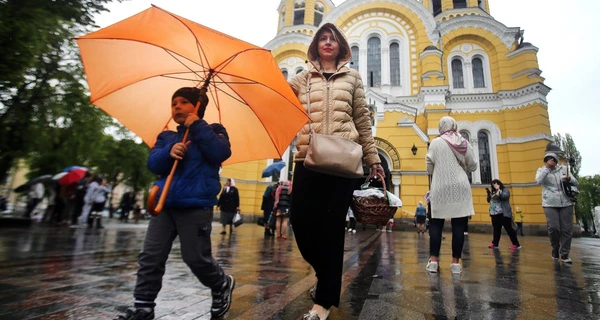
372,192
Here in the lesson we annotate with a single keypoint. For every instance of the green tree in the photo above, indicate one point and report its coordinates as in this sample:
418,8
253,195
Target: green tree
122,161
567,144
589,197
40,69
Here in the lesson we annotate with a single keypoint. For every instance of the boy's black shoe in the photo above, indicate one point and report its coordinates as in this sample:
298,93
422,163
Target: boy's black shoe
222,299
136,314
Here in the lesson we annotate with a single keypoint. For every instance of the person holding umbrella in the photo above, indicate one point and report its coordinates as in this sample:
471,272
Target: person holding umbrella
320,201
188,211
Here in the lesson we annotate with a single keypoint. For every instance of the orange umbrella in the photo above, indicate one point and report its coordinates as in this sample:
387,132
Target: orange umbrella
134,66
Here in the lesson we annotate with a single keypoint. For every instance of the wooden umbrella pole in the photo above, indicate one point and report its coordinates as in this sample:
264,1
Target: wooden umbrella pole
155,189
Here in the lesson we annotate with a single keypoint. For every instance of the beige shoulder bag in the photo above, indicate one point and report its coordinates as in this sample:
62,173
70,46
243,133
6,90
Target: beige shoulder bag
329,154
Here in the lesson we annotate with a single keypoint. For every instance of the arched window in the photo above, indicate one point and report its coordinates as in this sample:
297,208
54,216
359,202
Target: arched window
478,79
465,135
285,73
298,13
459,4
437,7
395,64
481,4
282,22
485,165
299,70
319,12
354,61
458,81
374,61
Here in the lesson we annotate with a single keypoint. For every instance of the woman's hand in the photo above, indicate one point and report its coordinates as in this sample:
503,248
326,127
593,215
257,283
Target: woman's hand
179,149
376,168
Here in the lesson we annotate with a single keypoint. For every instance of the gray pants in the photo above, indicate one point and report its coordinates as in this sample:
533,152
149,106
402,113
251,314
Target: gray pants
193,227
560,228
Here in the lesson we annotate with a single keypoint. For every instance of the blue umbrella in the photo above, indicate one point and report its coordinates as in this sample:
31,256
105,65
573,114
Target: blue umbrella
71,168
273,169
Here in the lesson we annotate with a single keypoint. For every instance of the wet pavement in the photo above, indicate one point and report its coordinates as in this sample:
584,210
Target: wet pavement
66,273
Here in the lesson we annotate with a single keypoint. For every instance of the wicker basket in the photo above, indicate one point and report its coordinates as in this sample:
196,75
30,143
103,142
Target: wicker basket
373,210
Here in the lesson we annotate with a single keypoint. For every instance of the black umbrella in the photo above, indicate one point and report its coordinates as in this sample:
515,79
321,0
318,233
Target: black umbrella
24,187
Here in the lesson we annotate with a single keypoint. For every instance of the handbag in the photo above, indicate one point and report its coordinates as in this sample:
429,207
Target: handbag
237,219
329,154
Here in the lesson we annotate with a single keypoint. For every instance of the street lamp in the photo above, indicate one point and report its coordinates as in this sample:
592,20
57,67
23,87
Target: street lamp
414,149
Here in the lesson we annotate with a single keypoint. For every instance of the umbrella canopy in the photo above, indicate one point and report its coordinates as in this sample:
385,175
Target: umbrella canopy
134,66
59,175
72,176
273,169
24,187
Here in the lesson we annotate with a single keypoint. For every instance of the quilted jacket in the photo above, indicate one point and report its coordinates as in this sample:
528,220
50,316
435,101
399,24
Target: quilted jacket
337,107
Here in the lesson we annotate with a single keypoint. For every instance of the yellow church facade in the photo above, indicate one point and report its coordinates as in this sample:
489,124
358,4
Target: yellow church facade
420,61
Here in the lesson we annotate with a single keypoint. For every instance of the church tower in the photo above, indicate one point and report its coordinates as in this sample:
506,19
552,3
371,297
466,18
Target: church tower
447,9
302,16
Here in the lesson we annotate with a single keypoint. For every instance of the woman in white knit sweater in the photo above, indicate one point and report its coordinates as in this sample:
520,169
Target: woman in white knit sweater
449,158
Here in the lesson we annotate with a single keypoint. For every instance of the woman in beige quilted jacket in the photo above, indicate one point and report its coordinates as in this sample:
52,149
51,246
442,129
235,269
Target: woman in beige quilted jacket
320,201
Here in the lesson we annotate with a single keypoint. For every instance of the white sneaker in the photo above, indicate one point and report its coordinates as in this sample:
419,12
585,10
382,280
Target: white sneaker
466,233
353,230
349,230
382,230
455,268
390,230
432,266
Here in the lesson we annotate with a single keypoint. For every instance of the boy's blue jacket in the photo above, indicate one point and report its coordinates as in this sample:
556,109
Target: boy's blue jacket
196,181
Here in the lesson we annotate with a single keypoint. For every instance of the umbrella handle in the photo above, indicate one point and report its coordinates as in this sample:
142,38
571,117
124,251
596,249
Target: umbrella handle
154,211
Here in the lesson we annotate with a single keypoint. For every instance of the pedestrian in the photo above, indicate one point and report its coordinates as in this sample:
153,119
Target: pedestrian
188,210
320,201
267,205
126,205
36,194
501,214
421,216
449,157
351,221
558,208
229,204
283,203
95,198
78,195
519,217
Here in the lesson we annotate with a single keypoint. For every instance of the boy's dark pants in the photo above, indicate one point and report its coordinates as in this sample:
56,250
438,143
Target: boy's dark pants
193,227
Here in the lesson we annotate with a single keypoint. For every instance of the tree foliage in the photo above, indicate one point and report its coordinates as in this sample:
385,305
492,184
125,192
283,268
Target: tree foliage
567,144
589,197
43,98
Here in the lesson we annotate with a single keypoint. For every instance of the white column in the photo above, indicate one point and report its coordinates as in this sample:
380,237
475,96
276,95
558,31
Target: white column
396,182
476,175
385,66
362,62
468,76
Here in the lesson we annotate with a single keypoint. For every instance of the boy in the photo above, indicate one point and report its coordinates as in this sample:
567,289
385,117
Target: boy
188,210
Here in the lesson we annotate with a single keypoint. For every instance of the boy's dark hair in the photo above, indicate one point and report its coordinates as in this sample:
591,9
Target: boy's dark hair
498,182
193,95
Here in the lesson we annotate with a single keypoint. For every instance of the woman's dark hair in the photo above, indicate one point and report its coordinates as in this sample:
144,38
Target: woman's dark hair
313,49
498,182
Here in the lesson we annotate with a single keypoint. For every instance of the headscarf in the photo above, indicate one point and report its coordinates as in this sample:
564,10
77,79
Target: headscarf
457,143
231,184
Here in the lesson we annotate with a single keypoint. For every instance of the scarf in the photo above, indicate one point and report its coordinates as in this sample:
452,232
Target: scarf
455,141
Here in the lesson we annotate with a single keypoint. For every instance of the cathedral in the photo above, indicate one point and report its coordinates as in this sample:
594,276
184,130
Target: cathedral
421,60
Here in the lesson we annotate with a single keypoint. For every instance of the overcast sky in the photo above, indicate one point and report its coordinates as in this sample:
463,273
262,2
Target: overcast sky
566,32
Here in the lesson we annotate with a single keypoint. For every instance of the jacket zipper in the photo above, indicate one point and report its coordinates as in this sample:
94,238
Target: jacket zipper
327,108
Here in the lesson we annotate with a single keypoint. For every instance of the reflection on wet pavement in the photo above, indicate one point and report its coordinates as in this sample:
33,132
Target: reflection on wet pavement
63,273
